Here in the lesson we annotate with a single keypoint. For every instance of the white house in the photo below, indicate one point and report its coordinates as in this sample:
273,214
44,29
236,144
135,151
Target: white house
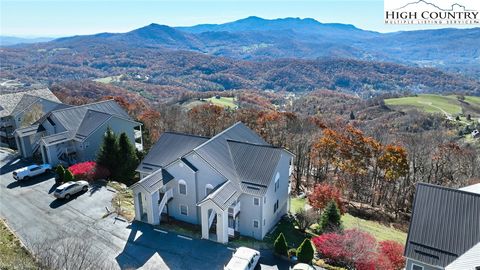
233,183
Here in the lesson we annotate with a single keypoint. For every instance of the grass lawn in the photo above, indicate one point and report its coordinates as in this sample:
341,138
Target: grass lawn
297,204
293,236
223,101
109,79
430,103
378,230
12,255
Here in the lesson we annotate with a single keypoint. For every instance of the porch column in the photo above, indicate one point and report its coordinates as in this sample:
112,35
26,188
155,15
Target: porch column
141,137
137,204
19,146
204,217
149,208
155,210
222,227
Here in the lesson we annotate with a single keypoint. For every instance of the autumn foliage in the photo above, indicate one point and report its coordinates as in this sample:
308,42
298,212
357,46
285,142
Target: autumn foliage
359,250
322,194
88,170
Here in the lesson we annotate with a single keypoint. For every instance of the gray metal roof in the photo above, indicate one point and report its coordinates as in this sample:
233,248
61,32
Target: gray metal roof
223,195
255,164
154,181
72,117
169,147
216,151
58,137
25,102
445,224
91,121
9,102
27,131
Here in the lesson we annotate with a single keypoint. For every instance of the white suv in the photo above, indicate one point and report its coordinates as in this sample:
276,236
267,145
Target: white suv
70,188
31,171
243,259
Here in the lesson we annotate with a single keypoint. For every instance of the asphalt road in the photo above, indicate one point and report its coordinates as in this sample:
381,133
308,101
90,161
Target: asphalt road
37,217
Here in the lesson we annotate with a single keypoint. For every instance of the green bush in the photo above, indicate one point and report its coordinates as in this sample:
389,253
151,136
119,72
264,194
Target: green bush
305,252
280,245
60,174
330,220
68,176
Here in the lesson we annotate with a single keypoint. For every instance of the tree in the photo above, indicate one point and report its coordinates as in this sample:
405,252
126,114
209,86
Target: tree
305,218
68,176
127,158
33,114
108,154
322,194
393,251
352,116
280,245
60,174
331,219
305,252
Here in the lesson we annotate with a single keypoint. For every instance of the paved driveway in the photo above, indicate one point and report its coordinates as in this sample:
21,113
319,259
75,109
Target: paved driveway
36,216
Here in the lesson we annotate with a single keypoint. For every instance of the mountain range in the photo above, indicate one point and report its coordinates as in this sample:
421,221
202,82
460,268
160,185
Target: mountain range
254,38
290,54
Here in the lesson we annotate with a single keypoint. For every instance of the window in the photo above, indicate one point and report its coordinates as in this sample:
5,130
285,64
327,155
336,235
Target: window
277,182
255,223
208,189
263,222
182,187
275,207
256,201
417,267
184,210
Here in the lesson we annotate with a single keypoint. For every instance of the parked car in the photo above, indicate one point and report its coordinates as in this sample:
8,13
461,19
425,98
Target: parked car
302,266
243,259
31,171
68,189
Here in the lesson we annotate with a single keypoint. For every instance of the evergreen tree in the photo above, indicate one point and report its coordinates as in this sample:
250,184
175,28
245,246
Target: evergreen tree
60,174
305,252
280,245
331,219
108,154
68,176
352,115
127,158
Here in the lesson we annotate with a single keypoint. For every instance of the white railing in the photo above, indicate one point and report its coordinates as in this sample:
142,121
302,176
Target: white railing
167,195
234,209
231,232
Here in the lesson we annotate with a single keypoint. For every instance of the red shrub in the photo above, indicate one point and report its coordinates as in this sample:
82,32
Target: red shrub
88,171
322,194
393,251
353,247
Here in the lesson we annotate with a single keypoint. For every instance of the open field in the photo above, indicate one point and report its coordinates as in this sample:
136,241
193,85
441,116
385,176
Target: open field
12,254
223,101
429,103
109,79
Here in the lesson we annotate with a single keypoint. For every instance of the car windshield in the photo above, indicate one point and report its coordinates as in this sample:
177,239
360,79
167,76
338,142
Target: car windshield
59,189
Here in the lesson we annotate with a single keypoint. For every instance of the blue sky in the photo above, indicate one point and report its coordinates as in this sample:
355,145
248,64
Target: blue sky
37,18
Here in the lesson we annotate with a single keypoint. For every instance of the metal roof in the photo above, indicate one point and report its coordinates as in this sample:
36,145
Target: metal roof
255,164
445,224
58,138
27,131
223,195
91,121
217,153
71,118
154,181
169,147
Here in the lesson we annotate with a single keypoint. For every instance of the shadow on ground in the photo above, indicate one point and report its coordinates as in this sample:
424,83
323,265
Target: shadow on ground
59,202
31,181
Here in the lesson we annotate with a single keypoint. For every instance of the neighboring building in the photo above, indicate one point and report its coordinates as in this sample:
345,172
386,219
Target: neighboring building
21,109
233,183
75,134
445,229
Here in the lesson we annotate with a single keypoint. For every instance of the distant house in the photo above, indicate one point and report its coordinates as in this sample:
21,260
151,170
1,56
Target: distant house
233,183
21,109
444,231
74,134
